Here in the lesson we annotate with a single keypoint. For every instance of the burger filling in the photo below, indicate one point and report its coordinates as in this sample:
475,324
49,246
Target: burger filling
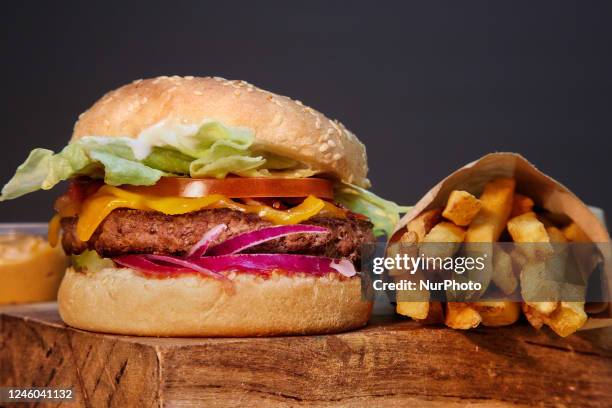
155,227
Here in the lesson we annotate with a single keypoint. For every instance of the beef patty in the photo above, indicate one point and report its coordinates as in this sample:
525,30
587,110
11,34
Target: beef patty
127,231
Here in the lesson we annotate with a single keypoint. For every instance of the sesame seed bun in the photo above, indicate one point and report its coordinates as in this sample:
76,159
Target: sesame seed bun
122,301
280,125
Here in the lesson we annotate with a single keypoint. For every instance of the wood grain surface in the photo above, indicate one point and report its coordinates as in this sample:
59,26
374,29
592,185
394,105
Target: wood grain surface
391,362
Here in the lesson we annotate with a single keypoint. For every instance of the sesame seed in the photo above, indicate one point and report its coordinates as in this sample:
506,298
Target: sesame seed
323,147
198,93
237,92
335,125
189,77
331,143
137,81
81,115
337,156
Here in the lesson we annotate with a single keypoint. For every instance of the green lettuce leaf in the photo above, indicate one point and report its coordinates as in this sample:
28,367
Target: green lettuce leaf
213,150
384,214
118,170
43,170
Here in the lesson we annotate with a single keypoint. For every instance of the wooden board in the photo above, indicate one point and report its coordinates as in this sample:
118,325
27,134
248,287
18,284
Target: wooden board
392,362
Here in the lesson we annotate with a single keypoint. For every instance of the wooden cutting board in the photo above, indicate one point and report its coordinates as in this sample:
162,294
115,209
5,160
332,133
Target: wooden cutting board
391,362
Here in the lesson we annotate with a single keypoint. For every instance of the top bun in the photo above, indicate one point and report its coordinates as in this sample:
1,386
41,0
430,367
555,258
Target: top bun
280,125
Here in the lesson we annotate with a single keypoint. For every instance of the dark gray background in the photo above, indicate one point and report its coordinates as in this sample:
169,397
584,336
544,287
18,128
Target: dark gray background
428,86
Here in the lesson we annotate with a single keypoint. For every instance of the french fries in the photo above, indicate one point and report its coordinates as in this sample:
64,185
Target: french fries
461,208
535,271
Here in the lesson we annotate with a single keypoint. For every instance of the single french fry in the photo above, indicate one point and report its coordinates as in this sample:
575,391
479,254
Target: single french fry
570,315
527,229
461,208
537,285
521,204
498,313
445,232
442,241
416,310
496,204
573,233
503,272
461,316
422,224
568,318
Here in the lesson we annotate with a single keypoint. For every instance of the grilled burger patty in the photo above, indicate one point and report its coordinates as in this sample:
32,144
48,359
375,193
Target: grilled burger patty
127,231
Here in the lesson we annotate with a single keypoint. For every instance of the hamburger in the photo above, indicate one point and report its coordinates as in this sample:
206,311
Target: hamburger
208,207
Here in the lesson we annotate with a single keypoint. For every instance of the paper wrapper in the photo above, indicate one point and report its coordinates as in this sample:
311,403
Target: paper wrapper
546,192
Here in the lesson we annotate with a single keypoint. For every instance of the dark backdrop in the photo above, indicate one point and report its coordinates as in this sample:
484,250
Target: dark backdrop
428,86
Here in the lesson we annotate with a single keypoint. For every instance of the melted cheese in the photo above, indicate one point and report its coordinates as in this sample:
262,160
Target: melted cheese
108,198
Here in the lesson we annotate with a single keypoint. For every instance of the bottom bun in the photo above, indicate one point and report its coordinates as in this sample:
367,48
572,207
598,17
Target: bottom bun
123,301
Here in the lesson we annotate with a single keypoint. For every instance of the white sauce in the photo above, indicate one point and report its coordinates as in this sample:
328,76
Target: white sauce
161,134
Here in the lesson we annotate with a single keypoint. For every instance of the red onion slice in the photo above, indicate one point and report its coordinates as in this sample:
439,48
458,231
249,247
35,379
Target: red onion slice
202,245
185,263
252,238
314,265
142,264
